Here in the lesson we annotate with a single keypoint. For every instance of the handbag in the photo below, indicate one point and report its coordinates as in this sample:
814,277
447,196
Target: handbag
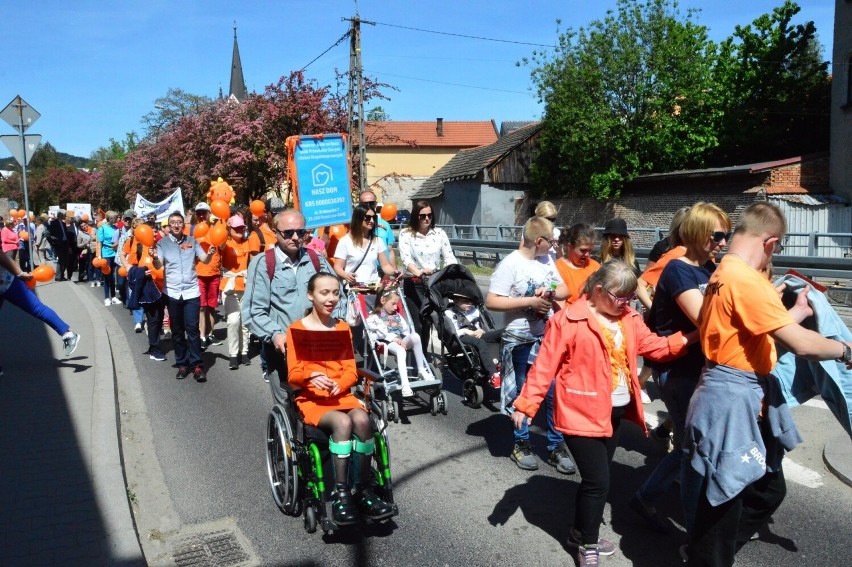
353,314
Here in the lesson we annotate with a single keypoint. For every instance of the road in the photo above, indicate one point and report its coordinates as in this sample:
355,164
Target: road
195,465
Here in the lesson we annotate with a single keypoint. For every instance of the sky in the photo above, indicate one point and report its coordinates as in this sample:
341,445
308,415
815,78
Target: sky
94,68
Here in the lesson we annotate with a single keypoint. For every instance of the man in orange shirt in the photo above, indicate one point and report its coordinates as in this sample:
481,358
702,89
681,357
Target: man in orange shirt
235,257
737,425
209,279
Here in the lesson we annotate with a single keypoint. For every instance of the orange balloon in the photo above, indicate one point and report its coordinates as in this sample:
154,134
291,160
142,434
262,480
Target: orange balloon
257,208
218,235
24,235
96,262
122,271
22,213
220,209
106,269
201,230
388,212
13,213
31,283
44,273
144,234
146,262
337,231
84,217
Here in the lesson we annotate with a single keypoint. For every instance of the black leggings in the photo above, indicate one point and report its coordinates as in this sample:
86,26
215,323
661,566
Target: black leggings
415,297
593,456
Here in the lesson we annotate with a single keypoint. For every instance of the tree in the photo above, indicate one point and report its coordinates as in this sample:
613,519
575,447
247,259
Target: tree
168,110
377,114
624,96
773,90
44,157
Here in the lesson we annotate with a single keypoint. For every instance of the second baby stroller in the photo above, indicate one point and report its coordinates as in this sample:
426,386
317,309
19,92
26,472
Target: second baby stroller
469,359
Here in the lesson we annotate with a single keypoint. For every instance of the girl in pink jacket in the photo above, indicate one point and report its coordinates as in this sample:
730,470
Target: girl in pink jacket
591,348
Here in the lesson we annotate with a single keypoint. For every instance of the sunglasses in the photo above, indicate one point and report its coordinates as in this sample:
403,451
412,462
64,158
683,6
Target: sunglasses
621,300
370,205
425,216
719,236
778,246
288,234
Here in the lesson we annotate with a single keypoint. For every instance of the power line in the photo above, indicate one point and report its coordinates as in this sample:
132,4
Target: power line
465,36
335,44
450,84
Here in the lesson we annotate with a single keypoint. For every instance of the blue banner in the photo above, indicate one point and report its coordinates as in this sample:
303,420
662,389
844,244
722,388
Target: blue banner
322,170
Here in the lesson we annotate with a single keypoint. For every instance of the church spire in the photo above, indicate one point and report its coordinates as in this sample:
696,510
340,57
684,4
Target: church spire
238,85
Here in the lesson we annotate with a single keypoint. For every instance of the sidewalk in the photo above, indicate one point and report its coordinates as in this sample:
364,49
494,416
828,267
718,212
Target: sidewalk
62,498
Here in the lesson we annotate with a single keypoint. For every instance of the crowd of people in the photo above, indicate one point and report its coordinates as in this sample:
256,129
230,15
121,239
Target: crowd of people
572,339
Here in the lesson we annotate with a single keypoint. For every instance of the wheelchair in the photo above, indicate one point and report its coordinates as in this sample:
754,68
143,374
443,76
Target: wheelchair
299,468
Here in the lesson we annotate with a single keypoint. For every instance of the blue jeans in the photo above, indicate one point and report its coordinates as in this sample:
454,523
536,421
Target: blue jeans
138,315
676,391
186,335
21,297
520,358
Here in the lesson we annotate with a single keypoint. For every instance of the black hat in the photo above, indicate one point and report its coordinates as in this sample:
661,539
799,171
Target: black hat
616,226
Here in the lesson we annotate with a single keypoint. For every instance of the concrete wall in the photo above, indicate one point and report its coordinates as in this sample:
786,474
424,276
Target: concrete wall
467,202
413,162
841,101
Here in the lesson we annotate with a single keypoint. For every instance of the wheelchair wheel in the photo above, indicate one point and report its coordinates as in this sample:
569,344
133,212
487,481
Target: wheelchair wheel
383,410
395,411
443,402
281,462
472,393
310,520
433,404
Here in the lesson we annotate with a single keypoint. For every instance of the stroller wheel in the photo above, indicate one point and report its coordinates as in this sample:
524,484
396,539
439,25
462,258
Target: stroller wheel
472,393
443,402
395,410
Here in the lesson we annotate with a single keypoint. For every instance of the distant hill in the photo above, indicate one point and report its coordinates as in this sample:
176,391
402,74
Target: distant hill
9,163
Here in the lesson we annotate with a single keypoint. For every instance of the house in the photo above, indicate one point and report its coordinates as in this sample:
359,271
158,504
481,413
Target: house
402,155
483,185
841,101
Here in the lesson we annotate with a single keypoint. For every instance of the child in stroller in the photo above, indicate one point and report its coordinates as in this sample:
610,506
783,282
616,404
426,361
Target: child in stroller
467,321
389,327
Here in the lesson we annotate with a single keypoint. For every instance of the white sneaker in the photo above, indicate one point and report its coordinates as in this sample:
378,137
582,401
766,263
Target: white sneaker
407,392
70,341
107,303
167,333
116,301
426,374
646,399
92,284
138,327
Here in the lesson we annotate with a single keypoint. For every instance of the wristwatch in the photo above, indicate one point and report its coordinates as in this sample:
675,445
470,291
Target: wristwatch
846,357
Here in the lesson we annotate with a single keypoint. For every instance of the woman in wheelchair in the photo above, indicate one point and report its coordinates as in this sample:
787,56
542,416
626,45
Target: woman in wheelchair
324,400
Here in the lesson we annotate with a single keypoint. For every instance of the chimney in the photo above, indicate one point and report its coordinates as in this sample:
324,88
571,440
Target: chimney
440,127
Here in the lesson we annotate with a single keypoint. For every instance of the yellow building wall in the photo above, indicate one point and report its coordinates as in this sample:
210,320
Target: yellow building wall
414,162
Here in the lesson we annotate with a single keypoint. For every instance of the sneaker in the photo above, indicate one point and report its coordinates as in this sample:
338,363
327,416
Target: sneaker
523,457
648,514
646,399
605,547
116,301
407,392
213,341
167,333
199,374
371,506
426,374
266,376
495,380
137,328
182,372
157,355
343,509
92,284
245,360
234,363
70,341
561,459
588,556
664,436
107,303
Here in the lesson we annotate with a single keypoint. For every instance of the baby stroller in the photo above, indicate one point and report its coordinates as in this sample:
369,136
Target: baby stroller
463,360
387,400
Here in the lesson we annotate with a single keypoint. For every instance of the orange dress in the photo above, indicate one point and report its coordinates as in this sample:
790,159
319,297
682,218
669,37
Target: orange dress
312,402
575,278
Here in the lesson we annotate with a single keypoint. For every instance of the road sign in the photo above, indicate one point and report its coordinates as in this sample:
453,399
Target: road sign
13,142
17,111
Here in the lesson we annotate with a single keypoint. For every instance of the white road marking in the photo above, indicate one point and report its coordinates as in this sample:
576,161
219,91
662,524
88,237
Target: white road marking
795,472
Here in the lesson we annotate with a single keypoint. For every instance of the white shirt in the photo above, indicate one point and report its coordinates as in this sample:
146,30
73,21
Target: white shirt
425,250
367,271
517,276
621,394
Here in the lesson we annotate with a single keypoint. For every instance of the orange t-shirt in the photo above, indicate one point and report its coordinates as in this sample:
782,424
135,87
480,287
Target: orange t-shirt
652,274
212,268
235,257
255,244
575,278
741,307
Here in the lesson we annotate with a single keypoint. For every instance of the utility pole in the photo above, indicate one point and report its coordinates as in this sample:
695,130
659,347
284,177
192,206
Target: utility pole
355,97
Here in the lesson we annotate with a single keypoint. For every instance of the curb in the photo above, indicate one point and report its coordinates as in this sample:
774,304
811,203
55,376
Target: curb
837,455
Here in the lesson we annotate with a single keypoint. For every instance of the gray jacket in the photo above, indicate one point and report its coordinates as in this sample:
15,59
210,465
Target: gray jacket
270,306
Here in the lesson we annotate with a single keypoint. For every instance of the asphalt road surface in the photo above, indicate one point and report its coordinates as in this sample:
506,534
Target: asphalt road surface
196,460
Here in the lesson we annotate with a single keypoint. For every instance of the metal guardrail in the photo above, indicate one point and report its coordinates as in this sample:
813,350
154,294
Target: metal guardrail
489,249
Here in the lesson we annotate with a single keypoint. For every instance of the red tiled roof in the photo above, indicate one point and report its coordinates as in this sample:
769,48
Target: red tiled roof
424,134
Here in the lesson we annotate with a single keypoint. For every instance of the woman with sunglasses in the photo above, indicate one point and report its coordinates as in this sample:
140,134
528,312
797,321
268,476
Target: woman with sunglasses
616,244
357,253
678,298
422,248
591,348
